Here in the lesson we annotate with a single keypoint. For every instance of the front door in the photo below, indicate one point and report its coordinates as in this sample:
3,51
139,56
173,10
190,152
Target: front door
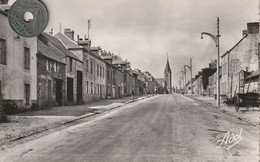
79,87
70,89
59,91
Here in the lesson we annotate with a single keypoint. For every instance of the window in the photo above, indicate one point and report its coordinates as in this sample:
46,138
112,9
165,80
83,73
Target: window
97,70
26,58
2,51
0,92
91,67
103,72
87,65
49,89
107,74
70,65
100,71
47,65
27,94
55,66
98,89
91,87
234,65
87,87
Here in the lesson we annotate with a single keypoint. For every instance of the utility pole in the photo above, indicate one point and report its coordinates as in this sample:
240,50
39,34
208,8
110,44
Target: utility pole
258,53
89,26
190,67
218,79
191,76
216,40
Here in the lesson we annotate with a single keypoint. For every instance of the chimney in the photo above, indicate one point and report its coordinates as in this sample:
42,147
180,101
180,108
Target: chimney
244,32
69,33
4,1
253,28
51,32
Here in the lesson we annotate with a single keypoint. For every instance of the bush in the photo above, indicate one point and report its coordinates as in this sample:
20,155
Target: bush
10,107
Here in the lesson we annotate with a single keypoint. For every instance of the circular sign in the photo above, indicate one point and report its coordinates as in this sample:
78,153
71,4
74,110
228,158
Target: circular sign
28,18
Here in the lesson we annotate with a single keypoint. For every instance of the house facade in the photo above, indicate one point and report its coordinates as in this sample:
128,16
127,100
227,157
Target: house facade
18,76
75,74
73,63
239,60
51,76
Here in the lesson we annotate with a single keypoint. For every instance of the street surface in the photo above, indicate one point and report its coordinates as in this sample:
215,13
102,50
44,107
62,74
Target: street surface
160,128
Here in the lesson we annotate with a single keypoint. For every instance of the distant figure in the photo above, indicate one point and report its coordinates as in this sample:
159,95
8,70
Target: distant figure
133,93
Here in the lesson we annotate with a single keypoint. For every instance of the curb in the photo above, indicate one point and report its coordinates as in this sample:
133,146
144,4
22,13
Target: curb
28,134
228,112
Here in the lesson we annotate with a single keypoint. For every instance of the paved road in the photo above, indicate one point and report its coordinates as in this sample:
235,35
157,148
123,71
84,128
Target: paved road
161,128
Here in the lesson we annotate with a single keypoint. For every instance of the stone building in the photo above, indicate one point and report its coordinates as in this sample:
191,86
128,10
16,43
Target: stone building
114,77
94,85
73,65
51,76
18,78
240,59
75,75
168,77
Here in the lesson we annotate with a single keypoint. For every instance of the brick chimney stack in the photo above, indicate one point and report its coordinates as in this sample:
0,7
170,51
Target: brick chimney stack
253,28
69,33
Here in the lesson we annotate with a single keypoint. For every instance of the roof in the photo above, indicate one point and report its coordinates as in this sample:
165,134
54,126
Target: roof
234,46
253,74
4,8
106,57
60,46
70,44
116,59
46,51
119,62
167,68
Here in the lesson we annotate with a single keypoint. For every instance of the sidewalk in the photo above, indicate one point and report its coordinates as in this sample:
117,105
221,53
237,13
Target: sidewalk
250,115
31,122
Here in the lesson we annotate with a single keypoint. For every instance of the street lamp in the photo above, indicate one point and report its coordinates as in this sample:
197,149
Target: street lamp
190,67
184,72
181,78
216,40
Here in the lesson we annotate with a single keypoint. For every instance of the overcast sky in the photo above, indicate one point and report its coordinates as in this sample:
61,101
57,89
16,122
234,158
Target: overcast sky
144,31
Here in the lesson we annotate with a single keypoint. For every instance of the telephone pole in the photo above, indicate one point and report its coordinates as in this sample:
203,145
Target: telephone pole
216,40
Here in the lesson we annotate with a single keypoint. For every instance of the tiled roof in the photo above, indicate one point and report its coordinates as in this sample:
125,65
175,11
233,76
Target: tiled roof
46,51
60,45
70,44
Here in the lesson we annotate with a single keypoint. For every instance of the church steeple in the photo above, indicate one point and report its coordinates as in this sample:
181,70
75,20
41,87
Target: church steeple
168,77
167,68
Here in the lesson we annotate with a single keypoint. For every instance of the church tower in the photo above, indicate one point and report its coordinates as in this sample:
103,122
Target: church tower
168,77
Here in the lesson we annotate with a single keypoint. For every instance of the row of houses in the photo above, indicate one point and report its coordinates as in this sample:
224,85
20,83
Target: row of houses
59,69
239,68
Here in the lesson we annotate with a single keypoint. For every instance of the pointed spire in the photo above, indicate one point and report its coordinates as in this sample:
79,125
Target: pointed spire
167,68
